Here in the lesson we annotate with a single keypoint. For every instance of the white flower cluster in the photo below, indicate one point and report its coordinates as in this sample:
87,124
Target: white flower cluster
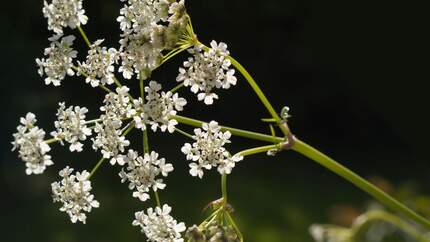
149,27
159,226
99,66
158,109
207,70
74,192
71,126
118,105
31,146
109,138
59,62
208,151
142,173
64,13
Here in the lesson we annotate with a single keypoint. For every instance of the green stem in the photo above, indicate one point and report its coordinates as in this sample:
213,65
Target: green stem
117,82
130,126
255,87
184,133
260,149
175,52
142,90
96,167
84,36
145,139
50,141
176,88
93,121
366,220
272,130
361,183
224,188
236,228
157,199
234,131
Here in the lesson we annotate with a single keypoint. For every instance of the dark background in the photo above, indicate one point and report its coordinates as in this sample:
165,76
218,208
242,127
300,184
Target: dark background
353,73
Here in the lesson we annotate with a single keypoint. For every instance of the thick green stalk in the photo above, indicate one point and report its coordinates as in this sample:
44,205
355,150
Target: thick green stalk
325,161
361,183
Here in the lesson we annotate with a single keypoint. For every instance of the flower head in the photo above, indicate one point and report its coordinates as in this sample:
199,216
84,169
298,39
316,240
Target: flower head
110,139
118,105
158,109
158,225
148,28
143,173
64,13
206,71
71,126
58,64
29,140
99,66
74,192
208,150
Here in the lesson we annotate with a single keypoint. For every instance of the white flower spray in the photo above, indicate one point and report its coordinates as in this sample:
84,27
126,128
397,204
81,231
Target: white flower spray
152,32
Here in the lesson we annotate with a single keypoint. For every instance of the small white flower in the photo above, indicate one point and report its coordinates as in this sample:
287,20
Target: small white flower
59,62
143,173
64,13
208,150
158,109
71,126
158,225
32,149
74,193
206,71
145,34
118,105
99,64
109,138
